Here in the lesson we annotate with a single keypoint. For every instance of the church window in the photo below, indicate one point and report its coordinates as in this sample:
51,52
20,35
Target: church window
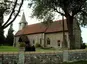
40,40
33,41
48,41
58,42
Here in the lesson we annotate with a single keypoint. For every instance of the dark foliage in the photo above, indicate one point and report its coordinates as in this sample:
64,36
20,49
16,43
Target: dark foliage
83,46
10,36
28,47
31,48
8,7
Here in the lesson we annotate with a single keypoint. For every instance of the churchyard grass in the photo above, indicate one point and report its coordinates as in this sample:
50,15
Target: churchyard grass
46,50
8,49
15,49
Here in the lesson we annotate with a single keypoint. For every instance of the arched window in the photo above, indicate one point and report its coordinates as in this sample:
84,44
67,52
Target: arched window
40,40
48,41
33,41
58,42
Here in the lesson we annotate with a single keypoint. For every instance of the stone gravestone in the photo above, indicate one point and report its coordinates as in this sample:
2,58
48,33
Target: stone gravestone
21,58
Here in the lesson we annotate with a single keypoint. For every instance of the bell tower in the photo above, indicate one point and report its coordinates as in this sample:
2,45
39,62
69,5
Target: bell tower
23,22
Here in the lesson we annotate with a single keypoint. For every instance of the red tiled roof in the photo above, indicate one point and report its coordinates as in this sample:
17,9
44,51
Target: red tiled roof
19,32
41,28
56,27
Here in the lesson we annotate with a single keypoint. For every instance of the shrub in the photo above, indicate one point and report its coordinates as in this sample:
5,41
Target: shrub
83,46
22,44
37,45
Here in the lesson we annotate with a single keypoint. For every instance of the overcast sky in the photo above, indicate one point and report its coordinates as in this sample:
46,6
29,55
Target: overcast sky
30,20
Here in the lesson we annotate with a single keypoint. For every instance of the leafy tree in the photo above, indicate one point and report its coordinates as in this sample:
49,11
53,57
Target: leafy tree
8,7
71,9
10,36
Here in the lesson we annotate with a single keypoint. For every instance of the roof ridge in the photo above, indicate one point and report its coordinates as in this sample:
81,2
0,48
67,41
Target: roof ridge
38,28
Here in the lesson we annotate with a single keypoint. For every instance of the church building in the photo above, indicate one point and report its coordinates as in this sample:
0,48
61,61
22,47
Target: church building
45,36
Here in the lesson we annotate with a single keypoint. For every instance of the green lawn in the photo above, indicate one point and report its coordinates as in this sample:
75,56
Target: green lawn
14,49
46,50
8,49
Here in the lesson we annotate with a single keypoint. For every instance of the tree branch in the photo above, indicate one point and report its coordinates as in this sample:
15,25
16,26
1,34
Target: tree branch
84,12
75,12
59,12
15,15
10,14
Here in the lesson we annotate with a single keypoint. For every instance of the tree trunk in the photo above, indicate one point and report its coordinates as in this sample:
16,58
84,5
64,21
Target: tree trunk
64,39
70,31
2,38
